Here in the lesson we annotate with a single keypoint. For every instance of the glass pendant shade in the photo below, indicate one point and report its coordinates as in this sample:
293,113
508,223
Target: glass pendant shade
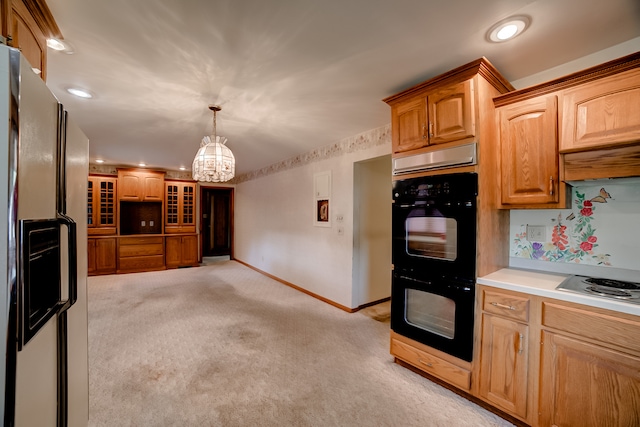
214,161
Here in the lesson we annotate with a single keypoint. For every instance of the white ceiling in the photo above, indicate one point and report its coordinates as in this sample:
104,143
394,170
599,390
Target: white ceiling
290,75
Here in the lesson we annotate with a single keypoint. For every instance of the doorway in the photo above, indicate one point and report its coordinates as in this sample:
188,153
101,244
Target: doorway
371,230
216,221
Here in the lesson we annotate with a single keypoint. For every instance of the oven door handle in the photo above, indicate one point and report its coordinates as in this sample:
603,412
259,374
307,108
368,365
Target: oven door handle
422,205
72,260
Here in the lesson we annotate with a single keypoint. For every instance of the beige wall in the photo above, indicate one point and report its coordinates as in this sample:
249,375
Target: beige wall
274,218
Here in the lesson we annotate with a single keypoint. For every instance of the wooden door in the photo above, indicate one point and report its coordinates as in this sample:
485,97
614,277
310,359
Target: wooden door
451,113
529,152
410,125
504,364
587,385
217,221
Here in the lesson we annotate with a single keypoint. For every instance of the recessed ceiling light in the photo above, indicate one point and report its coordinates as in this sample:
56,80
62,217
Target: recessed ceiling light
508,28
99,161
142,164
182,168
59,45
55,44
80,93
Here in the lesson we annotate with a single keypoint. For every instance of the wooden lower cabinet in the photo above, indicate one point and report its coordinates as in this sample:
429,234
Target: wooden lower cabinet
504,364
181,251
101,256
543,362
140,254
587,385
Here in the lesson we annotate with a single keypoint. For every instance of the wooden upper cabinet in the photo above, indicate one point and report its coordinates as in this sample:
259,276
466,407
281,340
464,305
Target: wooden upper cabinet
27,24
410,125
180,207
451,113
448,109
101,205
444,115
530,173
135,185
601,113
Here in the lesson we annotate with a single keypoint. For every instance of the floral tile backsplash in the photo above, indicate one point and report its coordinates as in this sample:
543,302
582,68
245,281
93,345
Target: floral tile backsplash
602,228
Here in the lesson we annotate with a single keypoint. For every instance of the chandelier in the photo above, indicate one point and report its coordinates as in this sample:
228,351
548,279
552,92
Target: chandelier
214,161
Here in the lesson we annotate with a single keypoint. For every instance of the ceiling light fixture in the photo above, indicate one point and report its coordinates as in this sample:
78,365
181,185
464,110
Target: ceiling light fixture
56,44
80,93
214,161
508,28
99,161
142,165
60,46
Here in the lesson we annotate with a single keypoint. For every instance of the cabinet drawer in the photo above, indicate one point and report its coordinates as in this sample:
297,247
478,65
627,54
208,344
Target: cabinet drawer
507,305
623,331
431,364
141,250
140,240
142,263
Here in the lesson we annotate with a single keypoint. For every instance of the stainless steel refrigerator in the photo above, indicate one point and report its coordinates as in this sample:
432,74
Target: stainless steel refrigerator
43,261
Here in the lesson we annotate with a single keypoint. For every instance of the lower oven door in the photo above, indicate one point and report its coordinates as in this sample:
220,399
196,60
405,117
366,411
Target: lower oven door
436,313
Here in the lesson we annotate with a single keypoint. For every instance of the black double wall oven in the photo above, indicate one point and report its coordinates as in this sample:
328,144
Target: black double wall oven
434,259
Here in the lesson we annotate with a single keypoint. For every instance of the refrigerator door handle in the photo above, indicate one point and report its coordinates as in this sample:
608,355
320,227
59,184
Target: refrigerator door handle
72,259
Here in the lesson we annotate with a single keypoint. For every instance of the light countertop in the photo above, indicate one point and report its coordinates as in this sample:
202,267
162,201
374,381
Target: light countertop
544,284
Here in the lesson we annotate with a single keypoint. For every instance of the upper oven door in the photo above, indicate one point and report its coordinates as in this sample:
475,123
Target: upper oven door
434,226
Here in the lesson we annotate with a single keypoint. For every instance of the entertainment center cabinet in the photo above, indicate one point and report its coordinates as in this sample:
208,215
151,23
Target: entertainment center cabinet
140,221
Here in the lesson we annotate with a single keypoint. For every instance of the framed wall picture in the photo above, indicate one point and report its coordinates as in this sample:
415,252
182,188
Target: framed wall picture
322,199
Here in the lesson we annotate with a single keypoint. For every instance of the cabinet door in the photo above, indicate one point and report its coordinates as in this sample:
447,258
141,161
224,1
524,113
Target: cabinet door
587,385
410,125
105,254
179,207
503,364
172,205
173,251
91,211
130,186
529,152
27,36
153,187
91,257
188,203
602,113
189,250
106,202
451,113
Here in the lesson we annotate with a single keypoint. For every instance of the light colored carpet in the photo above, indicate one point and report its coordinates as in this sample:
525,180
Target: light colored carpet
222,345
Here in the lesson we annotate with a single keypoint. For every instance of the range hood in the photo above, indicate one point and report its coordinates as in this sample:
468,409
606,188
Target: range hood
462,155
615,162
